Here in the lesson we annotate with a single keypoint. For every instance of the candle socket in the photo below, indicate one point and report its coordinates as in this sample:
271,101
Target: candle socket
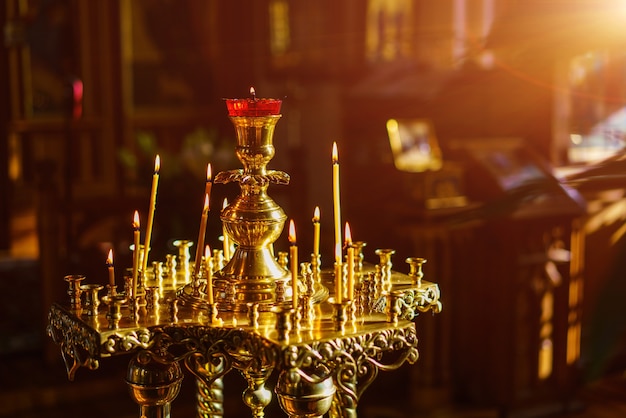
128,285
114,312
316,267
218,260
183,246
359,256
170,268
306,313
415,270
134,308
212,312
74,290
281,285
296,319
283,322
152,298
392,308
283,259
195,286
385,261
172,309
340,314
111,290
351,310
92,301
157,270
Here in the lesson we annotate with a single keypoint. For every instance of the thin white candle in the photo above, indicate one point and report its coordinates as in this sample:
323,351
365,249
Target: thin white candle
225,235
209,183
293,258
208,266
338,274
316,231
151,209
136,257
336,202
350,256
111,272
201,234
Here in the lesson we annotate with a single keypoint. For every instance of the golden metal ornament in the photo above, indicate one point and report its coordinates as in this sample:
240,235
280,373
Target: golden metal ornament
325,353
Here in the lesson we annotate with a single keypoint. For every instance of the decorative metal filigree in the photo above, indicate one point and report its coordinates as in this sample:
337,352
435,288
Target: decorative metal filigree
325,351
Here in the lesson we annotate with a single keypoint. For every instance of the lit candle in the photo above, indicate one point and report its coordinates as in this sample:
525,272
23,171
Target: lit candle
225,235
155,183
336,202
316,231
136,257
111,273
208,266
293,258
201,233
209,182
350,256
253,106
338,274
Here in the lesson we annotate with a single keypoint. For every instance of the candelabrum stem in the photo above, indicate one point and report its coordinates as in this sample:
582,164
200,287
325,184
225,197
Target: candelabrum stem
210,400
257,396
253,221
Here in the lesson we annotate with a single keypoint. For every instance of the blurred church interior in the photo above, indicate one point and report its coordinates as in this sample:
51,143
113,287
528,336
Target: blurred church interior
485,136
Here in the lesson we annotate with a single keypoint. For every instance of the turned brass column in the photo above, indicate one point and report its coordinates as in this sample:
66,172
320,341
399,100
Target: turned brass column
253,221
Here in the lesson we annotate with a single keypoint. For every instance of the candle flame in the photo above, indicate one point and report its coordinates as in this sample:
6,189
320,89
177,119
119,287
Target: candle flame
335,154
252,92
316,214
292,232
157,164
208,172
348,235
206,202
225,203
110,257
136,220
207,252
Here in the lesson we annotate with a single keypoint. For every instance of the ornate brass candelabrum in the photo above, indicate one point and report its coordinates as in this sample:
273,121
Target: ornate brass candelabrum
243,312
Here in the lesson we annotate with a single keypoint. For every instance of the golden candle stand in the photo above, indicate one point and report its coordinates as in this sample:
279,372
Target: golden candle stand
325,350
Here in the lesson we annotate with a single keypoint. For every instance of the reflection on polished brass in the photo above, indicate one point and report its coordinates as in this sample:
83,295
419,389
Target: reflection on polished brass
153,385
324,353
304,398
253,221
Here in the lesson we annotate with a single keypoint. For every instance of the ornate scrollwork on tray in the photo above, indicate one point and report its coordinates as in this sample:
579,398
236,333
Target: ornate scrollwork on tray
222,348
79,344
123,342
427,300
353,362
413,301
